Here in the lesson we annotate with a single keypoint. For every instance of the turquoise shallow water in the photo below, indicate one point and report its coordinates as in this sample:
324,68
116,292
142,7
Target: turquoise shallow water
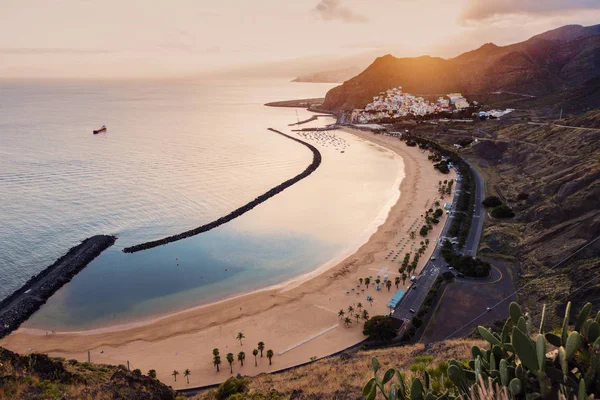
176,155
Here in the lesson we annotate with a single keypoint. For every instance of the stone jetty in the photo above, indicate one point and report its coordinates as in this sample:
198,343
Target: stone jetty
19,306
243,209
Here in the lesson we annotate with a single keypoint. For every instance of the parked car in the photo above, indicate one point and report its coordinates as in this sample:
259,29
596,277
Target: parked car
460,275
412,311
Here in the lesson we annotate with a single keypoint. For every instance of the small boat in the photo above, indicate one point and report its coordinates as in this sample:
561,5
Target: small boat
102,129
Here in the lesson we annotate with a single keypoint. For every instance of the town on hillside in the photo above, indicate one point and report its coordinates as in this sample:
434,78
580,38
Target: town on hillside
396,104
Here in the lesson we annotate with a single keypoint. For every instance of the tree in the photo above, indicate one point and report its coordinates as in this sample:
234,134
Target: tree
378,281
270,355
341,313
240,336
217,361
137,371
388,284
255,353
241,357
261,347
492,201
367,282
175,373
357,316
365,315
359,306
397,281
413,235
347,322
187,374
370,301
350,309
152,374
379,328
360,280
230,361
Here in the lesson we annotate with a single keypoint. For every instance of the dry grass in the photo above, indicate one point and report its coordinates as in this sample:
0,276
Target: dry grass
344,376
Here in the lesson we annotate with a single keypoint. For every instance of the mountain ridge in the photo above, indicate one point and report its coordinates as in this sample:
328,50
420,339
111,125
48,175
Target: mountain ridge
538,66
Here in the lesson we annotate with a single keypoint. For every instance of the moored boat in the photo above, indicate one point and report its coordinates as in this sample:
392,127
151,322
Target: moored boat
102,129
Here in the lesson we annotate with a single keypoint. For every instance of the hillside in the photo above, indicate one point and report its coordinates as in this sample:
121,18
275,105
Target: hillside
37,376
343,377
550,176
543,65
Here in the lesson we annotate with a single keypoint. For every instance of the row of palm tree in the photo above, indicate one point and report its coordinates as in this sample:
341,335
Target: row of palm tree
241,356
186,374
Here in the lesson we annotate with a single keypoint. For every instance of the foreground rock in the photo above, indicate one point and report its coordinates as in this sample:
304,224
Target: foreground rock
19,306
38,376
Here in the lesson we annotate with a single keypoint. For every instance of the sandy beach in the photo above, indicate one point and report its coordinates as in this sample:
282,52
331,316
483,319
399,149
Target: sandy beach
298,320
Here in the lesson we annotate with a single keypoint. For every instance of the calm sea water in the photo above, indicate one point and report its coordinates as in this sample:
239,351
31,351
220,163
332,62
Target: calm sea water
176,155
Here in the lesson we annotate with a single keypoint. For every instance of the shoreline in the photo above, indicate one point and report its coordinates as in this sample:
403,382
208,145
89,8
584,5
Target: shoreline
284,286
280,318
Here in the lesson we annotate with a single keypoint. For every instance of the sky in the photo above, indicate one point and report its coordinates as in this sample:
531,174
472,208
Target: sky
159,38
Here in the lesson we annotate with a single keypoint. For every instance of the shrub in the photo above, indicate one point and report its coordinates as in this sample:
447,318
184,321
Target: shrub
492,201
379,328
417,322
502,211
517,364
231,387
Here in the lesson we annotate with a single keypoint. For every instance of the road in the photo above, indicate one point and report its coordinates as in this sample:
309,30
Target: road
415,296
472,243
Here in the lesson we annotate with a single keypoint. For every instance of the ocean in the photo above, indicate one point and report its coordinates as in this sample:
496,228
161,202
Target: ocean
177,155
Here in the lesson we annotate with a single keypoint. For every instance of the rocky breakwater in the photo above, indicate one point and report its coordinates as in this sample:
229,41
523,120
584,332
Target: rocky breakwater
19,306
243,209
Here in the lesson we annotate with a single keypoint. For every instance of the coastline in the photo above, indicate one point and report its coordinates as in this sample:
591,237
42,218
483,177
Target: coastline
279,316
284,286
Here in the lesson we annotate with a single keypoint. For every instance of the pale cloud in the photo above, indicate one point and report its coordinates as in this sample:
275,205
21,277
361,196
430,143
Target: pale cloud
478,10
335,10
50,51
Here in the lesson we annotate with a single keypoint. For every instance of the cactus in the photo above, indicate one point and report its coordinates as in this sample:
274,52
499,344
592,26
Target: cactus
514,362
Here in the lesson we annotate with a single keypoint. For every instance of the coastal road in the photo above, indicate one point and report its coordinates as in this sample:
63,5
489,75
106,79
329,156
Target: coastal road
415,296
436,265
472,243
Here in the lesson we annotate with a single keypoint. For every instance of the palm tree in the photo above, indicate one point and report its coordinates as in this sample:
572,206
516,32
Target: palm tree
350,310
187,373
152,374
341,313
357,316
370,301
270,355
230,361
388,284
217,361
367,282
404,276
359,306
347,322
255,353
360,280
261,347
215,352
241,357
365,315
240,336
175,373
397,281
